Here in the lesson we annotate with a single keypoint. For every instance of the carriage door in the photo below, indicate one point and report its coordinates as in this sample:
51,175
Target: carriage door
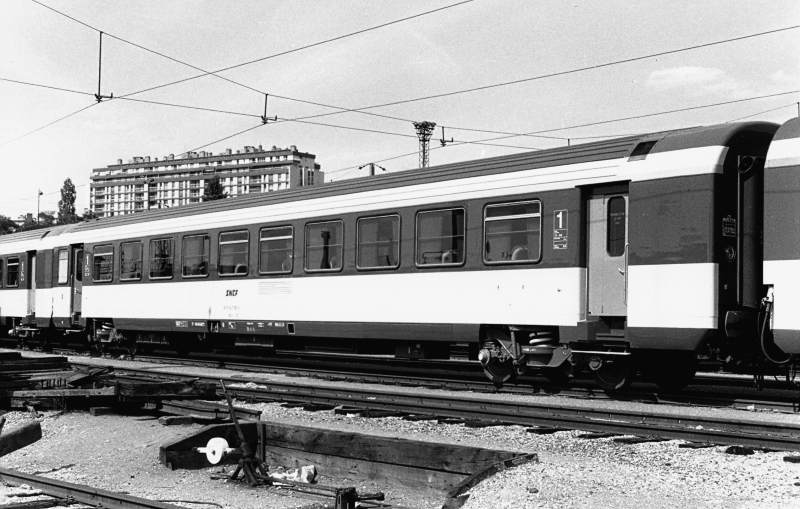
77,283
30,284
608,255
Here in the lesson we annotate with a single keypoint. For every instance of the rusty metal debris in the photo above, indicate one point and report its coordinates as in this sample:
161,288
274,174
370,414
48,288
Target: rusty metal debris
254,470
52,383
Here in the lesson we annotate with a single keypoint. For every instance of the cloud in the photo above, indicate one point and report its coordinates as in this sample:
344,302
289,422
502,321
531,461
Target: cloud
679,77
780,77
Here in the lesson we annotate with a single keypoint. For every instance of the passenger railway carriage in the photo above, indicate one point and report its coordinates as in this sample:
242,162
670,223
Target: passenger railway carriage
624,255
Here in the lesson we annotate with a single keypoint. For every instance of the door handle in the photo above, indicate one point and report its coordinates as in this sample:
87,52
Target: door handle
624,273
621,271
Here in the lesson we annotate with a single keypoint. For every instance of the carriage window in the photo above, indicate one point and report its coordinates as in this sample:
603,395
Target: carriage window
512,232
324,246
63,266
276,247
440,237
103,263
234,253
1,272
161,258
378,242
616,226
130,261
12,272
195,255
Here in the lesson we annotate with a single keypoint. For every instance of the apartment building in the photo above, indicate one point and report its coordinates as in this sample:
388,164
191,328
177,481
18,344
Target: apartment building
144,184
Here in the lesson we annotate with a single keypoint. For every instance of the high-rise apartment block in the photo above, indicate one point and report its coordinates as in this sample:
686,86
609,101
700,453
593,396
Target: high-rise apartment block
143,184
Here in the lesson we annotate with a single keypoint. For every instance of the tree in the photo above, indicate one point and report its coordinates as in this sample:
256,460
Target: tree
213,190
87,215
47,218
66,205
7,225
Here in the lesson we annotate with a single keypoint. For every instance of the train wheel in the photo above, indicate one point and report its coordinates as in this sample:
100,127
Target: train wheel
612,374
132,348
498,367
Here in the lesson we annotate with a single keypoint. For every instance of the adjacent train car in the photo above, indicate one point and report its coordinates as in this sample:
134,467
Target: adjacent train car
782,244
633,254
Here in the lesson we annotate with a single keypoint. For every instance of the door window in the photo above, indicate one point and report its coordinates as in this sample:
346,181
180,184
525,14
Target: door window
615,244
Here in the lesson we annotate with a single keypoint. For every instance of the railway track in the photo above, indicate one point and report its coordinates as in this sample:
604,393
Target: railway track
79,493
709,391
544,415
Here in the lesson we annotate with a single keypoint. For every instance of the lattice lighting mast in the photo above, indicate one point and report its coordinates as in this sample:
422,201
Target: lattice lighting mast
424,132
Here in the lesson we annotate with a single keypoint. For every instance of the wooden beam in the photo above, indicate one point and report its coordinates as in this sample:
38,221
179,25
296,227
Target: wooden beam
20,436
62,393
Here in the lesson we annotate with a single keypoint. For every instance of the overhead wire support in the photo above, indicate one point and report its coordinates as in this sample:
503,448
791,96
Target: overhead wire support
444,141
372,167
424,133
264,117
98,95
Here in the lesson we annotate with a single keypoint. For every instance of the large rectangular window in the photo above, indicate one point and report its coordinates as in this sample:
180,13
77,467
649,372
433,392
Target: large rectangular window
378,241
512,232
324,246
276,250
12,271
234,253
440,237
161,253
63,266
130,261
103,263
195,255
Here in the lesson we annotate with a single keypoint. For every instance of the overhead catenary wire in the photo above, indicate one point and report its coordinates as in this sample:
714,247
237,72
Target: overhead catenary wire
362,110
581,69
49,124
591,124
792,105
261,59
298,119
46,86
396,102
214,73
43,194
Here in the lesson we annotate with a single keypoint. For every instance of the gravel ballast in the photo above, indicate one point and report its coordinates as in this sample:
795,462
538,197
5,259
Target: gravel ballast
121,453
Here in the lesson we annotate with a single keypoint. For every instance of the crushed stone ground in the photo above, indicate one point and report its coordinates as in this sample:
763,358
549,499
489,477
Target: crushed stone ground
121,453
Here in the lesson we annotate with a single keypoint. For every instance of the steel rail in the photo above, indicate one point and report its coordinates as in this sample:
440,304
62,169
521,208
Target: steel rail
80,493
782,402
726,431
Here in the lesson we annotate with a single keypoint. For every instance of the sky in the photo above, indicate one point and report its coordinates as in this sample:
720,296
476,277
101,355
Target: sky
338,55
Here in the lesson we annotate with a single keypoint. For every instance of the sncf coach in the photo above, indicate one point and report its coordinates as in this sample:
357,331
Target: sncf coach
627,256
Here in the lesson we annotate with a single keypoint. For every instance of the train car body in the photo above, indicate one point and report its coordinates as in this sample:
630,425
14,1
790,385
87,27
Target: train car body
782,235
550,259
